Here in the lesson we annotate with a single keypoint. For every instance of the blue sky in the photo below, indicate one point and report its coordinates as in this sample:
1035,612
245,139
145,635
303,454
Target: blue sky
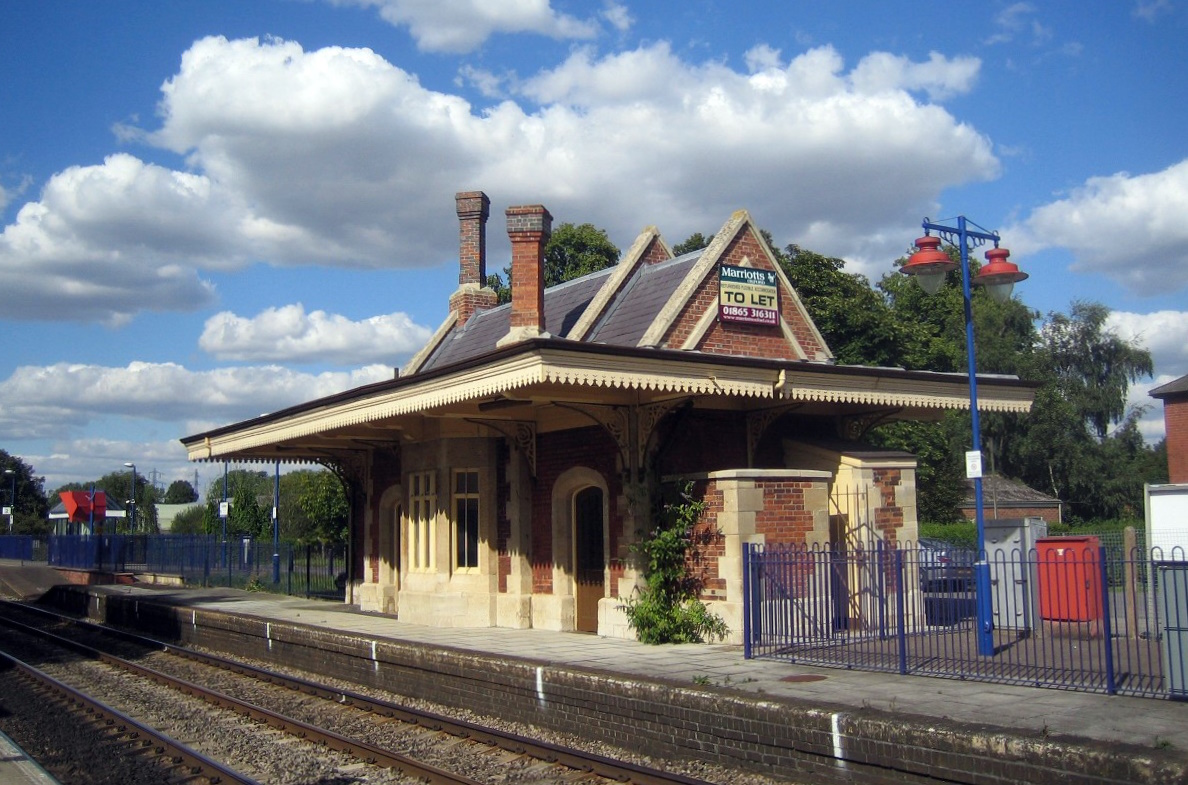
213,210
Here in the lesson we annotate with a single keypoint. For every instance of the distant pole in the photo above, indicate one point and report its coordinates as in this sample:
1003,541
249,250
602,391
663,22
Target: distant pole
132,504
276,526
11,499
223,508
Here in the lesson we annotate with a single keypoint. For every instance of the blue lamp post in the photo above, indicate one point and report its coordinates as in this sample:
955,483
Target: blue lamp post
930,265
132,502
11,499
276,526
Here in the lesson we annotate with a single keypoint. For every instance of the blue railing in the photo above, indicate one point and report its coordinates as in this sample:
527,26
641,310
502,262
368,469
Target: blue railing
310,570
16,546
1065,615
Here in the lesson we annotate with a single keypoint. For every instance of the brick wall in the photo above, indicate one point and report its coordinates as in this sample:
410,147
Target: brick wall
742,339
655,252
1175,418
701,442
502,522
556,453
785,518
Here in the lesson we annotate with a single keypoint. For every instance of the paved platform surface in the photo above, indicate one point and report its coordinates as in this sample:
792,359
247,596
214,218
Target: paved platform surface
1028,711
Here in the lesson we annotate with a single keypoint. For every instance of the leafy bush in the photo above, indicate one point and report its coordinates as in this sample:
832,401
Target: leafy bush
667,609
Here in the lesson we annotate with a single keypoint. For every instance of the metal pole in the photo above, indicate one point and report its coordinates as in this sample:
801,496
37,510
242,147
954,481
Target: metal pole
276,527
983,601
985,612
11,499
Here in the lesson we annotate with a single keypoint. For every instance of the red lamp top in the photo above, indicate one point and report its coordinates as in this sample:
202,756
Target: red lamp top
929,259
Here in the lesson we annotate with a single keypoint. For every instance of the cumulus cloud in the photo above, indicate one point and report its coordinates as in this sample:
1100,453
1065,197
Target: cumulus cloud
618,15
106,241
336,157
290,335
463,25
1129,228
40,402
1162,334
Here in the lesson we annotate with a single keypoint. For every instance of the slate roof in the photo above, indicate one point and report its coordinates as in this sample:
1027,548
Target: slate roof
624,323
1008,492
632,312
1173,387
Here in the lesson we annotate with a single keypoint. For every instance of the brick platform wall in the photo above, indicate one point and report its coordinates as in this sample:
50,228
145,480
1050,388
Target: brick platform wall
796,741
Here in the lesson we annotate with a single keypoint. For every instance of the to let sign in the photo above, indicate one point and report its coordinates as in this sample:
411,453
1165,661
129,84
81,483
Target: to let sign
748,295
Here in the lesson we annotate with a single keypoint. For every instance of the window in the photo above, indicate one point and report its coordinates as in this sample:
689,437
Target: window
466,519
422,509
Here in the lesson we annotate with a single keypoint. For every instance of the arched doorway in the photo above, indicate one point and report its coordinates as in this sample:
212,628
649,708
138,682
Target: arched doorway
589,550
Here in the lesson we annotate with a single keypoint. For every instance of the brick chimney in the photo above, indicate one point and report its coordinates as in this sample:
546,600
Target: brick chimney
529,228
472,294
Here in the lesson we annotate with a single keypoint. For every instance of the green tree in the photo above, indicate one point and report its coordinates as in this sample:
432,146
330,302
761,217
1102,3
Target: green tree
191,520
31,508
572,251
118,487
1068,448
1091,365
247,518
694,242
180,492
854,319
324,503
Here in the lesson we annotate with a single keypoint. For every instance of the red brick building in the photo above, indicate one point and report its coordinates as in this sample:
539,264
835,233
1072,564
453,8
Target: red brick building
1175,419
503,476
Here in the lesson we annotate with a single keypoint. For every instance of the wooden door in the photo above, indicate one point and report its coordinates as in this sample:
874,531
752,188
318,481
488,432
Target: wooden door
588,555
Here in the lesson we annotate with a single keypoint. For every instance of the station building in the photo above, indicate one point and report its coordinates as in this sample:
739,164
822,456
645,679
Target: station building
503,476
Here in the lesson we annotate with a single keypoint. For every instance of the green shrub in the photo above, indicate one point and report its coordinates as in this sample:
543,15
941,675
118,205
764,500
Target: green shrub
667,609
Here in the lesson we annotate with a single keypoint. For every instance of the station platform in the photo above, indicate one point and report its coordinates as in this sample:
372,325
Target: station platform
17,768
851,726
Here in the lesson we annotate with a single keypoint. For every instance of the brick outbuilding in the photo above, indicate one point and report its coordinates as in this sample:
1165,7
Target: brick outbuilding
503,477
1174,395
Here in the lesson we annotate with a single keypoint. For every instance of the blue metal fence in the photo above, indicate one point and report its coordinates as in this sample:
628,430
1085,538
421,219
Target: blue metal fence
1065,614
311,570
16,546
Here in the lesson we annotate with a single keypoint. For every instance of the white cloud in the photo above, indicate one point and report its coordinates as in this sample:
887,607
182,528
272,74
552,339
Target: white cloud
290,335
1150,10
105,241
1162,334
1129,228
618,15
463,25
1017,21
940,77
336,157
42,402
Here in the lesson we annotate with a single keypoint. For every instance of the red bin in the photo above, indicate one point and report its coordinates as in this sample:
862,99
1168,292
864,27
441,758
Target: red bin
1069,574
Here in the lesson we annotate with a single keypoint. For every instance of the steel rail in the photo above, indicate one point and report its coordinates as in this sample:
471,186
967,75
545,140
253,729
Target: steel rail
198,764
580,760
363,751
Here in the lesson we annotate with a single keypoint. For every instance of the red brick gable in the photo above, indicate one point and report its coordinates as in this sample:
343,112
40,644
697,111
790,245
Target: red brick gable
749,340
656,252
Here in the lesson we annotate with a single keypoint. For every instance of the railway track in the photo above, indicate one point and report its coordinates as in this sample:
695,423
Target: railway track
110,728
375,732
